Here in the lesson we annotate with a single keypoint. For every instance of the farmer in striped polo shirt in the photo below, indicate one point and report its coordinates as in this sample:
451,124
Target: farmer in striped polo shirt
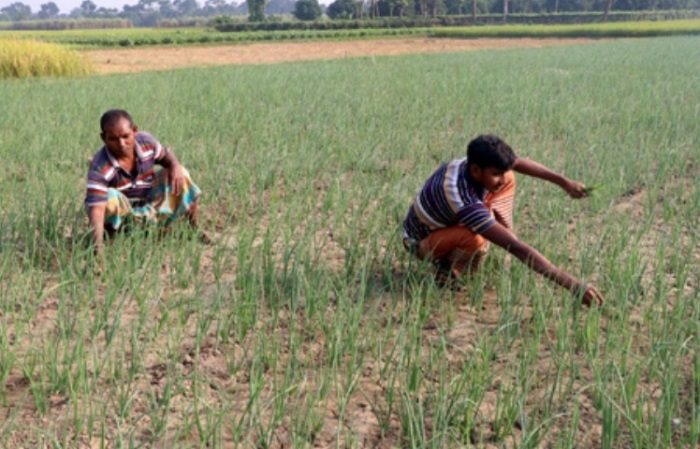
468,203
123,182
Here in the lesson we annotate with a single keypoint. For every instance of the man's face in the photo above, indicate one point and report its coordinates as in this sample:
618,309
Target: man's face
491,178
120,138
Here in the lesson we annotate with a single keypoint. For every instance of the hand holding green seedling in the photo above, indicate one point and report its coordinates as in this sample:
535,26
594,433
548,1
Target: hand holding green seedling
576,189
590,296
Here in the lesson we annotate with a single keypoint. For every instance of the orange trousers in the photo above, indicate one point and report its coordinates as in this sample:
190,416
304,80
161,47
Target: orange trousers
457,245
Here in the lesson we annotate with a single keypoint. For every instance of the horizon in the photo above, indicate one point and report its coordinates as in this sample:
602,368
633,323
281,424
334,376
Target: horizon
66,6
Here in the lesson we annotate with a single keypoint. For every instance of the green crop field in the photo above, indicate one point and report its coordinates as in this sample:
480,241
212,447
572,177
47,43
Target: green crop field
128,37
591,30
305,324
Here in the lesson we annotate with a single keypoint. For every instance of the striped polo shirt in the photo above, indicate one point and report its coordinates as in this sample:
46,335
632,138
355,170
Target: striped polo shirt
105,172
449,197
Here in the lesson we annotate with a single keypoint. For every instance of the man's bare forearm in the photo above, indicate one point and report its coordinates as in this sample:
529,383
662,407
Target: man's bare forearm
537,170
536,261
96,216
504,238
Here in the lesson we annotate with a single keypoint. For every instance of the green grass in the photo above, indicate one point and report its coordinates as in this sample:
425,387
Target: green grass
306,323
129,37
593,30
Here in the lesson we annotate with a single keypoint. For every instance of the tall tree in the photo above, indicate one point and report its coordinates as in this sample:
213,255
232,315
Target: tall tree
107,12
17,11
88,8
186,7
307,10
608,5
343,9
256,10
166,9
214,7
48,10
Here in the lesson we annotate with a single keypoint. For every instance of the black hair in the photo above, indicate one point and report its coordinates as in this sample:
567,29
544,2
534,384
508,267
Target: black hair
112,116
490,151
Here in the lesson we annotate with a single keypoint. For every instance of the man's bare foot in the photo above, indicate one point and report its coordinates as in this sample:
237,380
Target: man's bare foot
446,276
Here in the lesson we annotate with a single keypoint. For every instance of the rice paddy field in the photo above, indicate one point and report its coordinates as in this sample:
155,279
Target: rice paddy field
304,323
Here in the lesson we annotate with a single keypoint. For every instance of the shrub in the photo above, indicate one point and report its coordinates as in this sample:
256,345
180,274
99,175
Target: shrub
25,58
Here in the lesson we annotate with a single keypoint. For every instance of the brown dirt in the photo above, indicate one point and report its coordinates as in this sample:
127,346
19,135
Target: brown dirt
164,58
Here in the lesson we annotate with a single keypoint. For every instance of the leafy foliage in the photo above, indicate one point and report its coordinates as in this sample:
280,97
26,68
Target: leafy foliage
256,10
307,10
344,9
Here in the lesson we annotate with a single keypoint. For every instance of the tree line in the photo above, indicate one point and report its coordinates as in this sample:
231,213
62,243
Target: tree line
151,12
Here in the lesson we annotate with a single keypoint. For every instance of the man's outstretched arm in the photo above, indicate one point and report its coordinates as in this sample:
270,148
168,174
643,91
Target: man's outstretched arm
503,237
537,170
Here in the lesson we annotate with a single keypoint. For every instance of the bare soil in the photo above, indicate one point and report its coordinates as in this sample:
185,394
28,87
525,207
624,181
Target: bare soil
165,58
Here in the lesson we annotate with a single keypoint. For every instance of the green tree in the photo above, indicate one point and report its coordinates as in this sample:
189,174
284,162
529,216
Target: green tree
392,8
214,7
48,10
608,6
343,9
256,10
186,8
88,8
166,9
454,6
307,10
17,11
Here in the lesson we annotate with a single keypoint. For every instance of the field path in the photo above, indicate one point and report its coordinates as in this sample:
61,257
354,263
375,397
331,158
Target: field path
165,58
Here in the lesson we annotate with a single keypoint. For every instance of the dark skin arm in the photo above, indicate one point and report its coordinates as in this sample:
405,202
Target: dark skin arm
176,173
537,170
96,216
503,237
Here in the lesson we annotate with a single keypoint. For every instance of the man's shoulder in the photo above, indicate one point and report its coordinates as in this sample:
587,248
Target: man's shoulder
147,146
99,161
146,138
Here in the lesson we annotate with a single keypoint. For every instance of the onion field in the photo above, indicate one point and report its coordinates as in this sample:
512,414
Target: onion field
305,323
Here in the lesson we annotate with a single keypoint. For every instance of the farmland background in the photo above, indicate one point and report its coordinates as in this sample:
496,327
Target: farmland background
305,324
128,37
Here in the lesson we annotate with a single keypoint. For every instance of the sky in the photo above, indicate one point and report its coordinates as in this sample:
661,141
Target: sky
67,6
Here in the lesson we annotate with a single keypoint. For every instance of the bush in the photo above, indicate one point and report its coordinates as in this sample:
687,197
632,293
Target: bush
25,58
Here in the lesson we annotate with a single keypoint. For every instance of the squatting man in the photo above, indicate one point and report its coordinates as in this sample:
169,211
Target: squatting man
467,203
